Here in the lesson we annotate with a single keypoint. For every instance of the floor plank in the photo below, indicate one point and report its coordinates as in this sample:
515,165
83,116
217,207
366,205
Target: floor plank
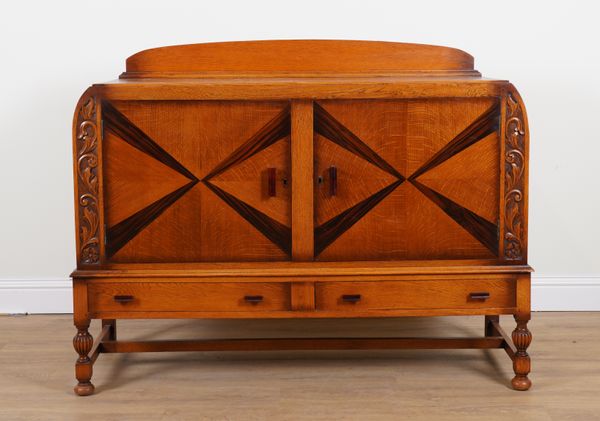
36,373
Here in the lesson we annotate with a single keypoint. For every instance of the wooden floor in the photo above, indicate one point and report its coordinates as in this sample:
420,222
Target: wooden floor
36,373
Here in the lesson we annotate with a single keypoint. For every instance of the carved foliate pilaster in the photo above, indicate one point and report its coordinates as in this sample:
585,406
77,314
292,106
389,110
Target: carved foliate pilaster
86,138
515,161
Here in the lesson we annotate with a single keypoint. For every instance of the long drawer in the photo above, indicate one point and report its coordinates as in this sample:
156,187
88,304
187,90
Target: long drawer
429,294
200,296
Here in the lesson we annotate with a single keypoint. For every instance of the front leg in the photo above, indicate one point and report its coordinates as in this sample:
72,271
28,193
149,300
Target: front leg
82,342
521,337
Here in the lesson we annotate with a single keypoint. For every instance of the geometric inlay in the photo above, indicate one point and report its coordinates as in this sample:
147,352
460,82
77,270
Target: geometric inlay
133,187
276,130
328,127
118,235
275,231
470,178
248,181
121,126
328,232
485,124
357,179
456,177
483,230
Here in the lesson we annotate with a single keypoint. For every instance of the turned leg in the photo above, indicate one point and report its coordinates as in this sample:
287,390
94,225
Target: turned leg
82,342
112,333
521,337
489,328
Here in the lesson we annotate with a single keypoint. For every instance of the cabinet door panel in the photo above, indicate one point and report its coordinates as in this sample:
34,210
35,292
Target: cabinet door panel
418,179
188,180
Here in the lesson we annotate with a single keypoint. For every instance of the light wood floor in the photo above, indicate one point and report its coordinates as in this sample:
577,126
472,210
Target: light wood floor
36,374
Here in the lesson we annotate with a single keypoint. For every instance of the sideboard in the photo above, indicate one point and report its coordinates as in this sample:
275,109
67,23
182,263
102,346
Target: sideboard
300,179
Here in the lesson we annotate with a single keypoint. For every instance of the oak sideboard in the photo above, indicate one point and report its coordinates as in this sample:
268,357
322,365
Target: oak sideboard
300,179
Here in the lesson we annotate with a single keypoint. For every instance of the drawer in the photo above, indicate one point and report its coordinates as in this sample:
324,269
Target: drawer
194,296
426,294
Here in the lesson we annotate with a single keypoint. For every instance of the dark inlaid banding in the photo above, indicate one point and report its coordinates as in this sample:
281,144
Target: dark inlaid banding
329,231
115,122
485,124
276,129
120,234
270,228
480,228
326,125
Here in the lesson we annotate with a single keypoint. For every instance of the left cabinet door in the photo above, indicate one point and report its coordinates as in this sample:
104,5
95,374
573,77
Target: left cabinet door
196,181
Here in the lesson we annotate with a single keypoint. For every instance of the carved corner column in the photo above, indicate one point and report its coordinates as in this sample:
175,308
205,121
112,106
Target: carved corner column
82,342
88,177
521,337
515,175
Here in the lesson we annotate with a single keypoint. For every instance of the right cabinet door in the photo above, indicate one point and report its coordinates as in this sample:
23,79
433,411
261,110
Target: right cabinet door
407,179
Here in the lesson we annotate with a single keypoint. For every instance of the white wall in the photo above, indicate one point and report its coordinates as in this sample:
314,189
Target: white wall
51,51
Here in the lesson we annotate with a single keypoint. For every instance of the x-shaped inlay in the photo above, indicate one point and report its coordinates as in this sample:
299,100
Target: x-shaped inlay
484,231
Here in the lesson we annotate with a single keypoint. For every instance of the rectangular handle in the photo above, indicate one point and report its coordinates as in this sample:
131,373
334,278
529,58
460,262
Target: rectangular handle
332,181
480,296
123,298
272,182
351,298
254,299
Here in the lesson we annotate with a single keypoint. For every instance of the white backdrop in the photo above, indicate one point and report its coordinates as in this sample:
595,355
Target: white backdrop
51,51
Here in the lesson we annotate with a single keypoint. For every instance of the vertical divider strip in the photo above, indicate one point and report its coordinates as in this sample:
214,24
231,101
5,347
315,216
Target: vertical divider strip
302,181
303,231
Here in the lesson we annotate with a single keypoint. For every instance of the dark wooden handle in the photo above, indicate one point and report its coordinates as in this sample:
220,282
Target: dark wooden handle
272,182
351,298
254,299
123,298
479,296
332,181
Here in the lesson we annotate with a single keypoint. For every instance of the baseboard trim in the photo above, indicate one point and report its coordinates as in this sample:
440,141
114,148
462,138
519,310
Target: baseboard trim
549,293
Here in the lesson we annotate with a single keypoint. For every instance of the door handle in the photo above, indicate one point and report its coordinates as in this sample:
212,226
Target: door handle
332,181
272,181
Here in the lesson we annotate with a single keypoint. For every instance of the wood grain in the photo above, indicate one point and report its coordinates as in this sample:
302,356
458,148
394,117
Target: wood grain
156,296
302,181
411,295
313,56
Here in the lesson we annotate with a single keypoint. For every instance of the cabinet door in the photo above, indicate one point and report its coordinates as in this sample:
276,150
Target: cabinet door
407,179
196,181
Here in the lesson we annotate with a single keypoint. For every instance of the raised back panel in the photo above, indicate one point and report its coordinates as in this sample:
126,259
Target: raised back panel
297,57
186,181
416,179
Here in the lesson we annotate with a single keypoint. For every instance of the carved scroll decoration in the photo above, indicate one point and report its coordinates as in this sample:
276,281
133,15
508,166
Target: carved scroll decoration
87,162
514,180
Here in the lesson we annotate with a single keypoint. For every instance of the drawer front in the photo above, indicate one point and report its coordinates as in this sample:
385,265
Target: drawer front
399,295
172,296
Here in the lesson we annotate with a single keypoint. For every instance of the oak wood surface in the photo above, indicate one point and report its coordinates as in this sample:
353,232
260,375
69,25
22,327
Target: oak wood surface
431,294
207,297
309,56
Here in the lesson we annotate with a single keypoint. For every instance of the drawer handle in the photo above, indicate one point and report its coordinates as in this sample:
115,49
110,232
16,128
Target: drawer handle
332,181
254,299
272,182
123,298
351,298
481,296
